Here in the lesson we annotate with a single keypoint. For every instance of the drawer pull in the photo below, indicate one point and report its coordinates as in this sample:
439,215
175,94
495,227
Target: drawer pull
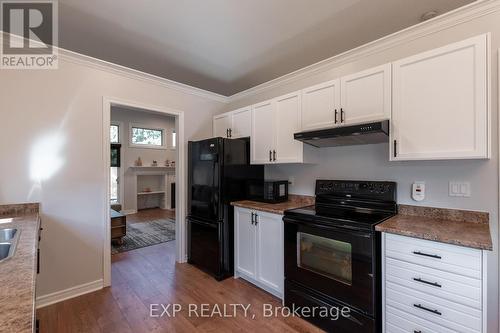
435,284
415,331
427,309
426,254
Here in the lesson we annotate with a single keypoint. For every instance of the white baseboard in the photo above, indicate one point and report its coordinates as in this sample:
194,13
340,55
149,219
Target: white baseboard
65,294
128,211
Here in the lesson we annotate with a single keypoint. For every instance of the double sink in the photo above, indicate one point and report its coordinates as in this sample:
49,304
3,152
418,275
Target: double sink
8,243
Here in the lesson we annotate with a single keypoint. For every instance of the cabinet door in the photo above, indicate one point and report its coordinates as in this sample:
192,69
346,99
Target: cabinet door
262,138
270,271
242,123
287,115
440,108
366,96
221,124
319,105
245,251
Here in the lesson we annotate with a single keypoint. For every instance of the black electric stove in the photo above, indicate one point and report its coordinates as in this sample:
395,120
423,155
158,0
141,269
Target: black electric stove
332,253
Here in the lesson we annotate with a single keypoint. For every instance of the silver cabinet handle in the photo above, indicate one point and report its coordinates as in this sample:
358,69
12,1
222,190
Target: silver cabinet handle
419,253
435,284
420,306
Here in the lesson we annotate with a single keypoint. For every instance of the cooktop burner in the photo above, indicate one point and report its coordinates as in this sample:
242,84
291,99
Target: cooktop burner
358,204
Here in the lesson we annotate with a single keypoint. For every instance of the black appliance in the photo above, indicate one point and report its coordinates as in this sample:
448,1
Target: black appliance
271,191
362,134
219,172
333,253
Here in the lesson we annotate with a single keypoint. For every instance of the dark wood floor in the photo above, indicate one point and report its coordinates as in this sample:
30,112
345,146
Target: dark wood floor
149,276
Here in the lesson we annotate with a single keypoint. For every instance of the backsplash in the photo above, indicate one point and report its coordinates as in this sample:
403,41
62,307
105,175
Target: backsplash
371,162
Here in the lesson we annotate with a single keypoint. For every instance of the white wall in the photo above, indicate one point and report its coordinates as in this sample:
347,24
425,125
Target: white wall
51,127
125,117
372,162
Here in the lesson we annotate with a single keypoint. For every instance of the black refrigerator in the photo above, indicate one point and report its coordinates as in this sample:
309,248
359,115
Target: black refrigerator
219,172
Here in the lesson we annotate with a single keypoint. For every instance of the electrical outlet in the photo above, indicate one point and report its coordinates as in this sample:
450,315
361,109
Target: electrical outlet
459,189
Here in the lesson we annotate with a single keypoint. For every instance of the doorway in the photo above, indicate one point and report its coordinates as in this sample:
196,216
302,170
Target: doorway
143,150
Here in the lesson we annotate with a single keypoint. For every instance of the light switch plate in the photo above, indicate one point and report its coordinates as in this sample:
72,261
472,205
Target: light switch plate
459,189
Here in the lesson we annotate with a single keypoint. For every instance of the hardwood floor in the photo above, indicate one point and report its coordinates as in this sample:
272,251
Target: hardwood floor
151,276
146,215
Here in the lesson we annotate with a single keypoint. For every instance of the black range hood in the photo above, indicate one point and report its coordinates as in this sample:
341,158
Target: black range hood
361,134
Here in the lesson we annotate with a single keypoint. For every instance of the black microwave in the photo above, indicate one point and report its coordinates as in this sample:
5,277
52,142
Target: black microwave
271,191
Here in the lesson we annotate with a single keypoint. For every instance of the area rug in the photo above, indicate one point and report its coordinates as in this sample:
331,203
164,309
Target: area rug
144,234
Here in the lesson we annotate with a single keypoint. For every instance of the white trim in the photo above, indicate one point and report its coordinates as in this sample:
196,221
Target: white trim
91,62
447,20
62,295
180,175
455,17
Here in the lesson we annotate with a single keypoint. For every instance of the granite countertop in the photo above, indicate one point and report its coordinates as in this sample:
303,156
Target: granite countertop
458,227
294,201
18,273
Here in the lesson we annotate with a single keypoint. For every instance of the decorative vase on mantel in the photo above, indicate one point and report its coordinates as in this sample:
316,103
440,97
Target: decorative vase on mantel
138,162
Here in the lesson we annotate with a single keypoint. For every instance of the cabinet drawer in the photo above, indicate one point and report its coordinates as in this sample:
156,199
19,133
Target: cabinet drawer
453,287
445,257
397,321
454,316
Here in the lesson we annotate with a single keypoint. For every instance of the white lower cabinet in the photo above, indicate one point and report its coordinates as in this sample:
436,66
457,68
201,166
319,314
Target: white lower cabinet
431,287
258,249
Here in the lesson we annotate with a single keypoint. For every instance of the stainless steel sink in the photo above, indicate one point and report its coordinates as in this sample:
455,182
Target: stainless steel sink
7,234
5,250
8,243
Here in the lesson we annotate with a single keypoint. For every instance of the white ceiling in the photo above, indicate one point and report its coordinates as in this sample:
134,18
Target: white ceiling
227,46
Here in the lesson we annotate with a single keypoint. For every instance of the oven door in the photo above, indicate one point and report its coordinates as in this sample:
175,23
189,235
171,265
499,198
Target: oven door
337,262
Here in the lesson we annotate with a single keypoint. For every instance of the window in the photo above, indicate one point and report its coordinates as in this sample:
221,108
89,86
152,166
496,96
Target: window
115,133
174,139
147,137
114,184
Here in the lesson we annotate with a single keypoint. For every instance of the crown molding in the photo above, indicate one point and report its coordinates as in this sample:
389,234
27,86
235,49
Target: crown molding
458,16
91,62
450,19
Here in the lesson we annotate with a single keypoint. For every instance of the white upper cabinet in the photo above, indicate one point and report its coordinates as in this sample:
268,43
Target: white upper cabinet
221,125
440,103
262,139
234,124
287,115
321,105
242,123
366,96
274,124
